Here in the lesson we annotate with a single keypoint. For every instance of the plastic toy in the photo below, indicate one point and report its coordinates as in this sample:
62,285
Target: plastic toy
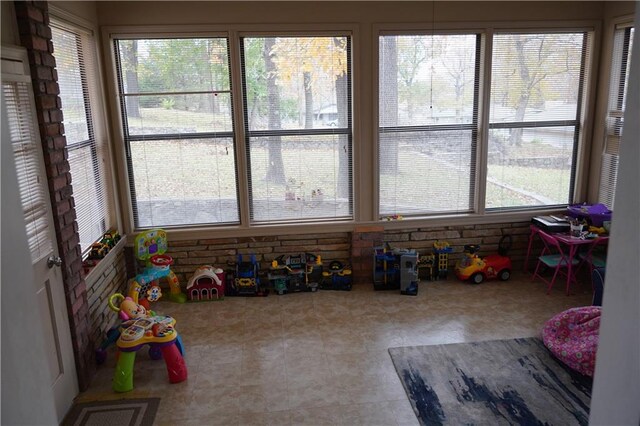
476,270
594,214
441,249
301,272
150,247
141,327
207,283
427,262
127,310
101,248
338,277
395,269
159,333
245,280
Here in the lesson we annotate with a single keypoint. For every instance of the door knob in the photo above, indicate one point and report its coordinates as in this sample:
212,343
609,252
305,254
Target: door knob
54,261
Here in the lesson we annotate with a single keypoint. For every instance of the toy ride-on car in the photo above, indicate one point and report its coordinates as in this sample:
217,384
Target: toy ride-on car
476,269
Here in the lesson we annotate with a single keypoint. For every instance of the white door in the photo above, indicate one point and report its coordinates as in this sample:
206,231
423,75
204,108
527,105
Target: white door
47,291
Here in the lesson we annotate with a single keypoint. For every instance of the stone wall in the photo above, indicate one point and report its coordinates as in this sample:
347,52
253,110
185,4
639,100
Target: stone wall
355,248
100,286
188,255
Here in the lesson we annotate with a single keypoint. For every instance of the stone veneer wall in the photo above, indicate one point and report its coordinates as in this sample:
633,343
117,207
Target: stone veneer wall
354,247
35,36
188,255
100,287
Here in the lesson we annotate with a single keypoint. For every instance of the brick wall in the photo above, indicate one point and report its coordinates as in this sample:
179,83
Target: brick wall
35,36
188,255
354,247
111,279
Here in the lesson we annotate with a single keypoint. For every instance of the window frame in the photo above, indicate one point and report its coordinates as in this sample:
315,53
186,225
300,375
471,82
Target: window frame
365,139
96,112
348,130
473,126
233,33
579,136
606,184
480,214
128,138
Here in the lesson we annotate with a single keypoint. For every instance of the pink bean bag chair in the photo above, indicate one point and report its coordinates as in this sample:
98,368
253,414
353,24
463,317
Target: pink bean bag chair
572,336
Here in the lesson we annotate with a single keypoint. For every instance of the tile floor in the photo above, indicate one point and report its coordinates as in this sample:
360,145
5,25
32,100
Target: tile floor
321,358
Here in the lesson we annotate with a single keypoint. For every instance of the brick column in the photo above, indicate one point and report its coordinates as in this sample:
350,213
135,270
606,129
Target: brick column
363,240
35,36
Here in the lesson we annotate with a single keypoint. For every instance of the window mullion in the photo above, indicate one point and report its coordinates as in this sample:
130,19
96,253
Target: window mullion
239,122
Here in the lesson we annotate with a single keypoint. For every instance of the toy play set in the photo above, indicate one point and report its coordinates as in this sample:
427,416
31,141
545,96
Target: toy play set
475,269
150,247
245,280
207,283
338,277
395,269
140,327
293,273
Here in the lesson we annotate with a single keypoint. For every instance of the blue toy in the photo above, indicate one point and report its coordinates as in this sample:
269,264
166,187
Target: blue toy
301,272
395,269
245,281
338,277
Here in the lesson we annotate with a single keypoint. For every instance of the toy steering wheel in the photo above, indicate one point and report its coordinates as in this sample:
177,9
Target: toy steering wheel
161,260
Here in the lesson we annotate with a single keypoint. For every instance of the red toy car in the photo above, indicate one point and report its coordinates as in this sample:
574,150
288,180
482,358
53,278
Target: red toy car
476,270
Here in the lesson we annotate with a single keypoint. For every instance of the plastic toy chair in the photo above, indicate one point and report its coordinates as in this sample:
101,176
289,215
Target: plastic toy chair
553,257
597,278
596,256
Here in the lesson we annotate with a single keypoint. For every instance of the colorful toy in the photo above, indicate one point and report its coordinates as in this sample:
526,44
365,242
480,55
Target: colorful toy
476,270
141,327
395,269
245,281
207,283
441,249
301,272
150,247
101,248
428,263
159,333
338,277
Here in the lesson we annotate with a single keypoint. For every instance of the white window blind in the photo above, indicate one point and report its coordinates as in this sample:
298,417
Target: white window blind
537,80
175,95
619,78
297,106
428,131
31,179
75,54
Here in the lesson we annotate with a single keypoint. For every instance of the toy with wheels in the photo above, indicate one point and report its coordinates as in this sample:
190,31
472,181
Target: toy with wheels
150,247
475,269
338,277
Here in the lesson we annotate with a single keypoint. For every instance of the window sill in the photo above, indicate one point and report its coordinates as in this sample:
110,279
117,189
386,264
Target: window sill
193,233
96,272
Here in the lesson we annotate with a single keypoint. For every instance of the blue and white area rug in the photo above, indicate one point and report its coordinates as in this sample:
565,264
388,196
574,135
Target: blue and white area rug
495,382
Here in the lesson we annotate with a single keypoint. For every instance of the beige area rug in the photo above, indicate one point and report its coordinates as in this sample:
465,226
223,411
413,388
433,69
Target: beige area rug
126,412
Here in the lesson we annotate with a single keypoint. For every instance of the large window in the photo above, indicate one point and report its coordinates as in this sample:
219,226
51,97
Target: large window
536,94
176,102
619,79
297,108
75,53
428,130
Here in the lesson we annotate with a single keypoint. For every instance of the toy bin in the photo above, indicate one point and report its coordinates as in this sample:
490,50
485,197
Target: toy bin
595,214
